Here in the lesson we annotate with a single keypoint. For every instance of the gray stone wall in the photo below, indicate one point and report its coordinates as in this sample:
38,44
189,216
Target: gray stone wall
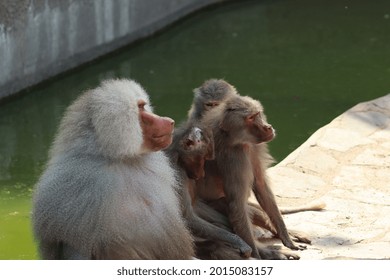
42,38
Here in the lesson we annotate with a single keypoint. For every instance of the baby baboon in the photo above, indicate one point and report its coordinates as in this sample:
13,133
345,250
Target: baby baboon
192,146
108,192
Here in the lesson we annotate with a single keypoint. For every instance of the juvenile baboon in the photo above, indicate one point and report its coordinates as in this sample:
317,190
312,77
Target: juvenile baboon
208,96
108,192
239,126
192,146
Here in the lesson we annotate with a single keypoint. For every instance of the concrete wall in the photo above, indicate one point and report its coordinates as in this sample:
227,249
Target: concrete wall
41,38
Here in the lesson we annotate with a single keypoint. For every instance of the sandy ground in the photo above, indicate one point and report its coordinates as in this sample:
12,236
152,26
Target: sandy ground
345,164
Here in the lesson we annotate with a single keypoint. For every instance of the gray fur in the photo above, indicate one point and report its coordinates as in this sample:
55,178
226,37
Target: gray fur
213,90
101,196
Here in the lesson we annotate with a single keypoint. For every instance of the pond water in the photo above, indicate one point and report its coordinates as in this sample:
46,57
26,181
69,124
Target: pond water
306,61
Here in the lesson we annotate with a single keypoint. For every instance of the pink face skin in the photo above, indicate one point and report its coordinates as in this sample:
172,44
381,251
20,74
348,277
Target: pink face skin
157,130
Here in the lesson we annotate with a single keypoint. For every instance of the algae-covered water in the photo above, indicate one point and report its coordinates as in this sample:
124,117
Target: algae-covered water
306,61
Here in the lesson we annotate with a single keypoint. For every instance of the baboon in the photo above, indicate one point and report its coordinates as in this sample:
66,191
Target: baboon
240,127
108,191
208,96
215,92
192,145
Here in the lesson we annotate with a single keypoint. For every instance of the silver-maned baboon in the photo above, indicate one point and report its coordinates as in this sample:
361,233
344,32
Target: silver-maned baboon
108,192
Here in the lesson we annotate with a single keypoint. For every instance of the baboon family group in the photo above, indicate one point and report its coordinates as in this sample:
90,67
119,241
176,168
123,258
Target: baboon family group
122,183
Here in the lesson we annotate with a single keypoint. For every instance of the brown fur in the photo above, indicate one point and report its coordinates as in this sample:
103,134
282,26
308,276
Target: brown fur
192,146
240,132
259,159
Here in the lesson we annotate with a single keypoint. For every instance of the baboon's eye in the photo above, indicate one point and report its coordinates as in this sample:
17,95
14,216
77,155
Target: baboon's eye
141,104
253,116
212,104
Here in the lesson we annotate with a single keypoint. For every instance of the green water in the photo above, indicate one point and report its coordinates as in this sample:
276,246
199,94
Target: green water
307,61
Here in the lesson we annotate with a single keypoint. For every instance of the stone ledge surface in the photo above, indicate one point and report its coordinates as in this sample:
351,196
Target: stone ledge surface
345,164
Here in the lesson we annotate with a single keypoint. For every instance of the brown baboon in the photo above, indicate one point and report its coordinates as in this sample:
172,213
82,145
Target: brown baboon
215,92
108,192
192,146
240,132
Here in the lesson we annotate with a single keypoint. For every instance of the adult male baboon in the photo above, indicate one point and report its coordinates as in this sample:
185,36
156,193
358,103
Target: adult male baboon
192,146
108,192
